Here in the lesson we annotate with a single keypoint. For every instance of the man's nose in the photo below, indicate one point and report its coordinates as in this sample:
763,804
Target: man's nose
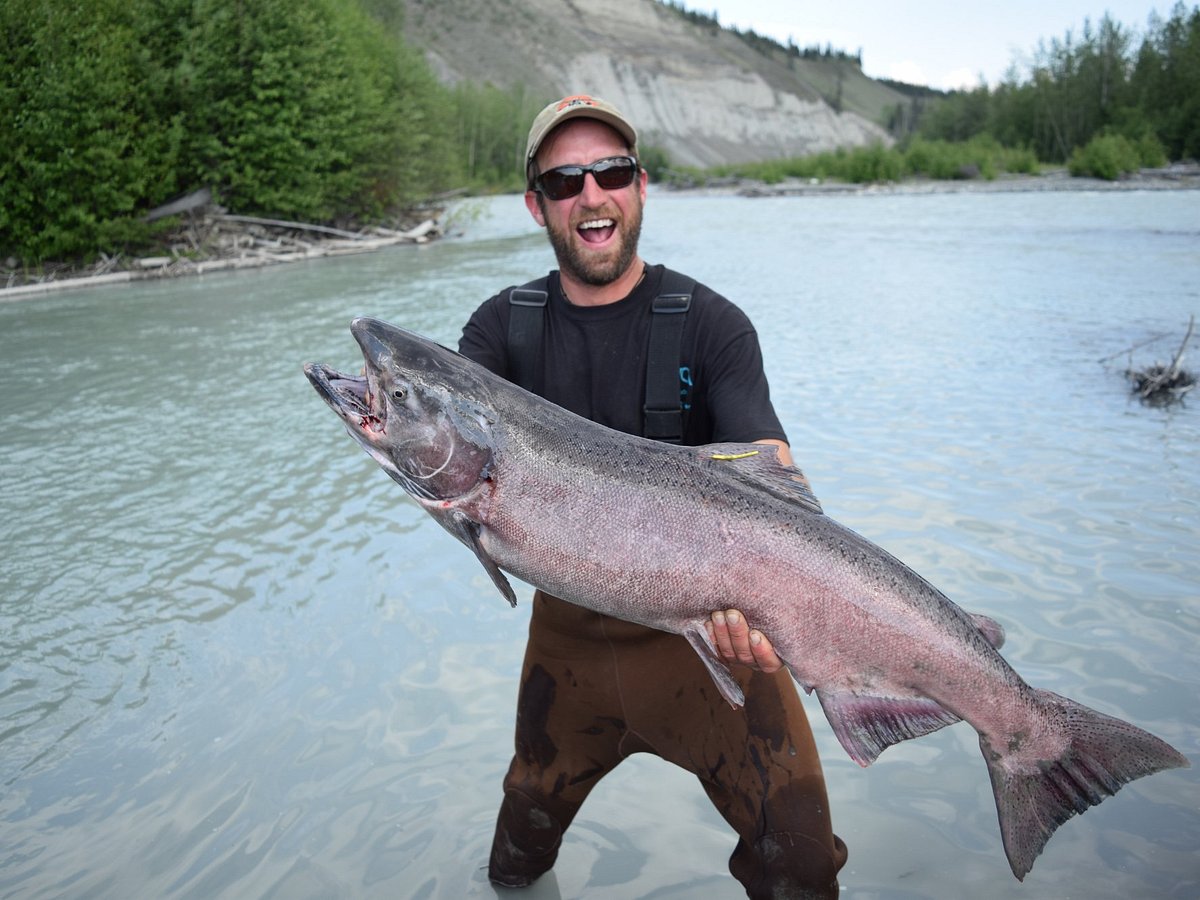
592,193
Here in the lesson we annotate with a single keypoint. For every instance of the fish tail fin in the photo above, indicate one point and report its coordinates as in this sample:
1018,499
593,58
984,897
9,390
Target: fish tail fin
1034,796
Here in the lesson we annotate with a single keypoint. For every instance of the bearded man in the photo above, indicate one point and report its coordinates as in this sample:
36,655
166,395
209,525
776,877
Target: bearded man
650,352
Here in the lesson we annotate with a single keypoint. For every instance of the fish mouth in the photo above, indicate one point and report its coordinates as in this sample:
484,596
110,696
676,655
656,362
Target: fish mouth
351,397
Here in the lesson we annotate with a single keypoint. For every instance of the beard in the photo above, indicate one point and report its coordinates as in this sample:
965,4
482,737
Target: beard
575,260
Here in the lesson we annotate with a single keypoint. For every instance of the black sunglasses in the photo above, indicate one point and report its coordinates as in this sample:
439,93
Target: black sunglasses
612,173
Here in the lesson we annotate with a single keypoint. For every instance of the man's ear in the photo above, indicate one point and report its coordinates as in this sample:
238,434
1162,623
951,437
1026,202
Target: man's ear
534,207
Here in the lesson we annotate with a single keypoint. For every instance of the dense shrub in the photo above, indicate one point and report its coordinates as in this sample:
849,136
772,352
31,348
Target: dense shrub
296,108
83,147
1110,156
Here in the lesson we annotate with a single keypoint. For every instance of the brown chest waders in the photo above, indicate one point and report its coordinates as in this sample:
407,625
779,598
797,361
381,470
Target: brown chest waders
595,690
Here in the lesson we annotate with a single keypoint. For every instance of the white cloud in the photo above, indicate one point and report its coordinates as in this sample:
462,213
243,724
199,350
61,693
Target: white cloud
959,79
907,71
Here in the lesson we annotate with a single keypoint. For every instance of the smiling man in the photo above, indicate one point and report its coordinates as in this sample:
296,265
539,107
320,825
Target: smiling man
648,351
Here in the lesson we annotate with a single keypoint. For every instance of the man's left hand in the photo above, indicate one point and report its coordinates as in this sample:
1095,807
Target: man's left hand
737,642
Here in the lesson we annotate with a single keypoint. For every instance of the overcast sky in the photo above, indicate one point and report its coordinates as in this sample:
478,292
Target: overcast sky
941,43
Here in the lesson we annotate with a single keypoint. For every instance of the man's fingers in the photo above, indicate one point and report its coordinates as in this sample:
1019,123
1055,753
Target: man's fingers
765,656
719,630
739,637
731,635
737,643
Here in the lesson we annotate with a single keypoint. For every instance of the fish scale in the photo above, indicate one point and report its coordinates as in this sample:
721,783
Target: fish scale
662,535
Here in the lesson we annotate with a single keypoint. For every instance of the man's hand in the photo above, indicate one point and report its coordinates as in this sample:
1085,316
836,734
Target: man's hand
736,642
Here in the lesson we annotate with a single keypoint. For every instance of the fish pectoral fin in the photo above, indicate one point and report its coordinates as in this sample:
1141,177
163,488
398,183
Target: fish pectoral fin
467,531
867,724
697,636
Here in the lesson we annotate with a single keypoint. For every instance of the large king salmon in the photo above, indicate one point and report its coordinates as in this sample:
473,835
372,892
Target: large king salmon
663,535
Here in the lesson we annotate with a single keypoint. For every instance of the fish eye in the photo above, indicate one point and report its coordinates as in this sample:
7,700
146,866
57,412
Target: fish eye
399,394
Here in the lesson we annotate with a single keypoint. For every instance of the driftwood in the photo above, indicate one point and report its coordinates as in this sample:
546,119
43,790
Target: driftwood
208,239
195,200
1159,384
296,226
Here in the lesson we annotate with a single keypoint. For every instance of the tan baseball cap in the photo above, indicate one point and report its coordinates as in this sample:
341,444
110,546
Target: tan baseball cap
579,106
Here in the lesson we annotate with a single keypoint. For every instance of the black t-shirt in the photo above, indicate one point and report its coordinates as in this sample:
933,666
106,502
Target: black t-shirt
594,361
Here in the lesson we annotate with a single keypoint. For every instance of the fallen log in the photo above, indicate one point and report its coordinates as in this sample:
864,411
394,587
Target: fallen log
281,223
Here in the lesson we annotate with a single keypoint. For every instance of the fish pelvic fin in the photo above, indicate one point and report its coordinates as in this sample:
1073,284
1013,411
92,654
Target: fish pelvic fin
697,636
1035,796
867,724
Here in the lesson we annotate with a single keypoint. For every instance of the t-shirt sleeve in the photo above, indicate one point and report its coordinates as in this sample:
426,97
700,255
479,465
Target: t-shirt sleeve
485,336
739,398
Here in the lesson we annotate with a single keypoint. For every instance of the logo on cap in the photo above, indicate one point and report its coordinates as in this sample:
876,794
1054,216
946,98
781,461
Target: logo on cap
577,100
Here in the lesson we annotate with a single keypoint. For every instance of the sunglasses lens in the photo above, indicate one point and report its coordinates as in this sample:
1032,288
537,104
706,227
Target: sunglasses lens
563,182
611,174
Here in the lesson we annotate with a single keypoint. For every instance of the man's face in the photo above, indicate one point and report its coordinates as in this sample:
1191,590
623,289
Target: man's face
595,233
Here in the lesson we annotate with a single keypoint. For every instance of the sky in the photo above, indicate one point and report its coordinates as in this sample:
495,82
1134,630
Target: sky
940,43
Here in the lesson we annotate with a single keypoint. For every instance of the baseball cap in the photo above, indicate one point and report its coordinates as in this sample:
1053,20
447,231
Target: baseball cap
578,106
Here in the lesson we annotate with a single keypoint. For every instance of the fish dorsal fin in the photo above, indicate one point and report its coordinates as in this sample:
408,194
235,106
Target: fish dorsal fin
759,464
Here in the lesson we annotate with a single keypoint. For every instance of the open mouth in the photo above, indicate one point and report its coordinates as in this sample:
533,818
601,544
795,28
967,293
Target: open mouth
350,396
596,231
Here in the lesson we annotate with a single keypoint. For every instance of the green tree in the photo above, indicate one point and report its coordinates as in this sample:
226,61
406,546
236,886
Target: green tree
491,126
1164,79
305,108
1080,88
84,146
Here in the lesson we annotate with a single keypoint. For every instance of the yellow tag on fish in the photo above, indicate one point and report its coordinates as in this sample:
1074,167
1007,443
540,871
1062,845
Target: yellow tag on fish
727,456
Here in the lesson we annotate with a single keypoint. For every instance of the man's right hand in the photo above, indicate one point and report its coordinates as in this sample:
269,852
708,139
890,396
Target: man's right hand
738,643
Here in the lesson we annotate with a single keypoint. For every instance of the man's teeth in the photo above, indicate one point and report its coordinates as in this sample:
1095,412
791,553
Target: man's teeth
598,223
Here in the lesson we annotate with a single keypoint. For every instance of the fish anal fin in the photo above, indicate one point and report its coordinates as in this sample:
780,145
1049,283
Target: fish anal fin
867,724
698,637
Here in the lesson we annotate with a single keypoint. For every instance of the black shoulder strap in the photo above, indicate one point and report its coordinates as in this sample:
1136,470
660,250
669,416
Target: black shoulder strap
527,310
663,412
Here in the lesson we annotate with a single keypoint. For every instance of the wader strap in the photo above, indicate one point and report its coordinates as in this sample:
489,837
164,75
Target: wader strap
527,310
663,412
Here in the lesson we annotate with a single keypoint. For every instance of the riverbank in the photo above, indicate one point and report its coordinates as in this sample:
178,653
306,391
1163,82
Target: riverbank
1178,176
216,241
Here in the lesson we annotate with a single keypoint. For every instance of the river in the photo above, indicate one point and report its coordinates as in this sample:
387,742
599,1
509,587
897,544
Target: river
235,661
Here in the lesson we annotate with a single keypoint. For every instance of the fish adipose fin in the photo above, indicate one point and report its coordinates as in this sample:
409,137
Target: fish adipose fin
698,637
1035,796
759,465
992,631
467,531
867,724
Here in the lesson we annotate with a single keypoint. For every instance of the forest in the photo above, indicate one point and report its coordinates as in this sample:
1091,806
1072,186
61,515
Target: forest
319,111
1100,83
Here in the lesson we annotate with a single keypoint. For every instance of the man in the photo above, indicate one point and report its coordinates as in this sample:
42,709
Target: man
596,689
